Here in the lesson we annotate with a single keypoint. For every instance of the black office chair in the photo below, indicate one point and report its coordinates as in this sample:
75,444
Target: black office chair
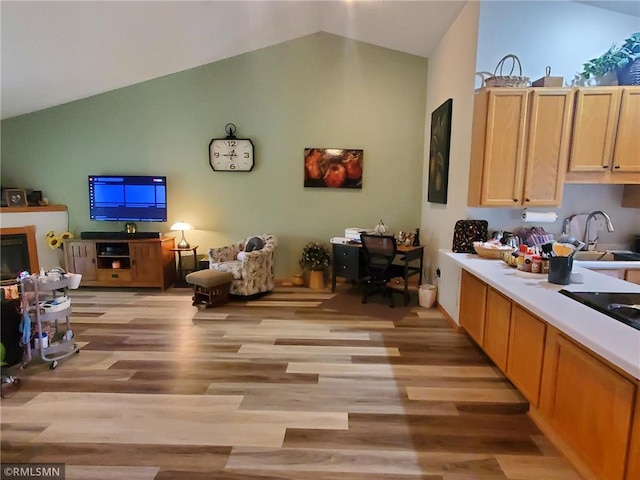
379,253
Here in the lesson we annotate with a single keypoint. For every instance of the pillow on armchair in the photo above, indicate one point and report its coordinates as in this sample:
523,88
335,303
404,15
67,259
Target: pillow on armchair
254,243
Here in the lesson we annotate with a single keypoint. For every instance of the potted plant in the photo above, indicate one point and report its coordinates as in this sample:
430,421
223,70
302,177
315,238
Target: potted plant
623,60
316,258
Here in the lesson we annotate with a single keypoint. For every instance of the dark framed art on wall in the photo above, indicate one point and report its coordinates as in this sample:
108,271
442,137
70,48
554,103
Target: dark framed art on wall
333,167
439,149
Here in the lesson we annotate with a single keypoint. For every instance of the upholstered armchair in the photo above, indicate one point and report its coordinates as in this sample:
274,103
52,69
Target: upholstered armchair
252,270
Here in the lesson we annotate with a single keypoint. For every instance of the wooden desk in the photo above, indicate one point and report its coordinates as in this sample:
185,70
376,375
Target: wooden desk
349,263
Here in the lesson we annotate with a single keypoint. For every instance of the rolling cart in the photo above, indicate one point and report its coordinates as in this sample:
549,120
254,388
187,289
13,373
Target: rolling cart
45,300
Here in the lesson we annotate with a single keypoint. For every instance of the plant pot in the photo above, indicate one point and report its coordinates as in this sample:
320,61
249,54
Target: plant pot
630,74
298,279
316,280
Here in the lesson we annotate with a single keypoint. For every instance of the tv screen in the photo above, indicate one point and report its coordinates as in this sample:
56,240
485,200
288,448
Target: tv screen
128,198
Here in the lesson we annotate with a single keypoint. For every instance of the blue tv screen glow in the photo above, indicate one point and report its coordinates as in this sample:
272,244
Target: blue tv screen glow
116,198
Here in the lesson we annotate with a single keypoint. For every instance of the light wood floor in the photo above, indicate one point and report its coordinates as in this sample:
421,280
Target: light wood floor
278,388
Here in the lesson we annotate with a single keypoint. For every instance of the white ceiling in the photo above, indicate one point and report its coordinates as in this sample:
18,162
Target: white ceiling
53,52
56,52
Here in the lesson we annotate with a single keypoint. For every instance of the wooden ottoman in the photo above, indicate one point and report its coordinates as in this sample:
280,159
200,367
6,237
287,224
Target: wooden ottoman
210,287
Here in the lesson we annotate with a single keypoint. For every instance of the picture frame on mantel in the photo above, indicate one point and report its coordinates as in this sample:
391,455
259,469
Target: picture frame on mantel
439,150
15,197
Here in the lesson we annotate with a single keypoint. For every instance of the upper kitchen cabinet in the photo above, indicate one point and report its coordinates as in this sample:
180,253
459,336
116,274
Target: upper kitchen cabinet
519,146
605,145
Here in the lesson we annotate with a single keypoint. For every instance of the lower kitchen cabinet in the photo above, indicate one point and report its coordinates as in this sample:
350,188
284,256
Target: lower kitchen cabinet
473,301
590,409
589,404
526,352
633,464
496,328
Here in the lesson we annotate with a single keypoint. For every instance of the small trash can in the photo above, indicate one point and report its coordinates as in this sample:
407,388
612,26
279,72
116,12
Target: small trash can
427,295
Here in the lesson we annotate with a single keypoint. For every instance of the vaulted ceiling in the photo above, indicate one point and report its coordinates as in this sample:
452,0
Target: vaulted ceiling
53,52
56,52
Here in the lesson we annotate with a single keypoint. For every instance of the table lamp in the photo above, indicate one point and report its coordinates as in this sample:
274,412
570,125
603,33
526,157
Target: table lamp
182,226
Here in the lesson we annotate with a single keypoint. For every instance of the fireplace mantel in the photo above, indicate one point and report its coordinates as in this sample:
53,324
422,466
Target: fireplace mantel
47,208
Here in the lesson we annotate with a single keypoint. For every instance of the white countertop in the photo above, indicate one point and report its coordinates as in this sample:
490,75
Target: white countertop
609,338
604,265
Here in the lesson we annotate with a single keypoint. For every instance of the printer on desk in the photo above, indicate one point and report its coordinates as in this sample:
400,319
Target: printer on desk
351,235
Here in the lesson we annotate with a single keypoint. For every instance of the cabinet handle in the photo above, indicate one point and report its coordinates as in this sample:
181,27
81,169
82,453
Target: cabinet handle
616,166
345,253
605,166
515,200
527,200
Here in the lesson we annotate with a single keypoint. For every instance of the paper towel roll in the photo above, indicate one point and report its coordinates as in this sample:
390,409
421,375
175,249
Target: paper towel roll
539,217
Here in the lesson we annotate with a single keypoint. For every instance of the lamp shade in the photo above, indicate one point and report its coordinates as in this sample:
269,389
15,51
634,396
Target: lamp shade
181,226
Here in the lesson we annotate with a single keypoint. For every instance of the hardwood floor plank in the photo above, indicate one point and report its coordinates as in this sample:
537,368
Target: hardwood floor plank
527,468
491,395
393,371
83,472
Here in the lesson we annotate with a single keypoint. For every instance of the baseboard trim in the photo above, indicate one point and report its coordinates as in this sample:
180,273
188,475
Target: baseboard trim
450,319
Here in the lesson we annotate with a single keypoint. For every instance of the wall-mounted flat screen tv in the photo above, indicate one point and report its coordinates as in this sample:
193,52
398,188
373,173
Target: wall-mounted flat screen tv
122,198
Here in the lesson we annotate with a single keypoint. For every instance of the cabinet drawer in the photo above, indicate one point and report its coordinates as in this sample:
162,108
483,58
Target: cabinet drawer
346,262
114,275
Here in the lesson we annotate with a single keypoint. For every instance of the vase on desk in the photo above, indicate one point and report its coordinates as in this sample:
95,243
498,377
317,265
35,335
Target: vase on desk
316,280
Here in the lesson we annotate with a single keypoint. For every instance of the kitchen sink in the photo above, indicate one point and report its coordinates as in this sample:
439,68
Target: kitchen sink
606,256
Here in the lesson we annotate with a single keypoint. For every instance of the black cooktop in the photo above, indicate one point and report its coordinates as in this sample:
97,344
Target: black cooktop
615,305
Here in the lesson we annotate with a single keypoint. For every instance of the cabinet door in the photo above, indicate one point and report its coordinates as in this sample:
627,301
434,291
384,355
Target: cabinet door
496,328
526,351
146,263
473,297
551,111
633,467
589,404
503,167
80,257
626,156
594,129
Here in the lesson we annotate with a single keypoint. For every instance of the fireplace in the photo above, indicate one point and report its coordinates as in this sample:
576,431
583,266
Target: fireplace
18,251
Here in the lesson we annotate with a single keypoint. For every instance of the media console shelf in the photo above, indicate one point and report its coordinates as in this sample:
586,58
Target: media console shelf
122,263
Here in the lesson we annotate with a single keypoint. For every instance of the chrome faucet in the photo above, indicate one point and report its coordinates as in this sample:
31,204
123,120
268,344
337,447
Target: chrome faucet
592,244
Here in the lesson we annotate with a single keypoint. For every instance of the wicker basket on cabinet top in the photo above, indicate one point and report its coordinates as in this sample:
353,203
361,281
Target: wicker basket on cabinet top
500,80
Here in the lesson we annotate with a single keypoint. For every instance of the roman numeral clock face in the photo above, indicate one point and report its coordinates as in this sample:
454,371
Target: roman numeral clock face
231,155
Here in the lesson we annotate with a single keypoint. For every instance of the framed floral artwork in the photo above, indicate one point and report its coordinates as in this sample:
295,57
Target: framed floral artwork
439,152
333,168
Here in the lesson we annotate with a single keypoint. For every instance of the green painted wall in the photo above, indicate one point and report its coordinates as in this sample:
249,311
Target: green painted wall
317,91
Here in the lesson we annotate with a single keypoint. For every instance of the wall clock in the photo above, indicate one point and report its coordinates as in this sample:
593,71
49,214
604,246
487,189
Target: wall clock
231,154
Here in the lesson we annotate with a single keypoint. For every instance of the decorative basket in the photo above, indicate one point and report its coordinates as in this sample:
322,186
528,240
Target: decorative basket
548,80
495,253
629,74
500,80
